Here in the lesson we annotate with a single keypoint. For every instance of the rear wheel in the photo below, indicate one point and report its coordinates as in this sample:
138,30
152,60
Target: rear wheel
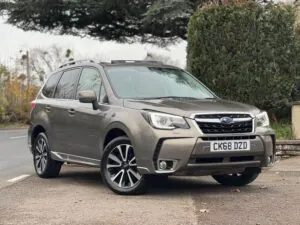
45,167
119,168
238,179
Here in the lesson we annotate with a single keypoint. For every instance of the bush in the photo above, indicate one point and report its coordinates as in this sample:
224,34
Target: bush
246,52
283,130
15,102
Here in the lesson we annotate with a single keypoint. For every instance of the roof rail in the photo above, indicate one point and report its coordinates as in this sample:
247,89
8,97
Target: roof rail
76,62
136,61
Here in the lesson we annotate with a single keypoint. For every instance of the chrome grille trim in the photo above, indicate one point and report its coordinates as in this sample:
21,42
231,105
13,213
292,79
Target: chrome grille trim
218,120
211,124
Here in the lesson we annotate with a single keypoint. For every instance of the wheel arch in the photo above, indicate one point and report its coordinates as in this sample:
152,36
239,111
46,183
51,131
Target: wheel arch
115,130
35,131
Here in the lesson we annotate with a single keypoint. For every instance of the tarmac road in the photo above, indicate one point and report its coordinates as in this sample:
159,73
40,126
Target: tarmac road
79,197
15,158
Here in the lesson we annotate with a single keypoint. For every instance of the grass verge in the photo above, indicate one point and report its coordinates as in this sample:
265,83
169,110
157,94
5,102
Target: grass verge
12,125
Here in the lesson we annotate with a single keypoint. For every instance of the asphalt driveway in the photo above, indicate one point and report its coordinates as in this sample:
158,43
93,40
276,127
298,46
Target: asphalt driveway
78,196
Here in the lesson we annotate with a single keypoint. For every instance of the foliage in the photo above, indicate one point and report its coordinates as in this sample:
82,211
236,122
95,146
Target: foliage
283,130
161,58
246,52
121,20
19,99
43,61
14,98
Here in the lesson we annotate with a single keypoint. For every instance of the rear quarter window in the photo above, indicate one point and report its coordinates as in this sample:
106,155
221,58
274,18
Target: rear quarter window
50,85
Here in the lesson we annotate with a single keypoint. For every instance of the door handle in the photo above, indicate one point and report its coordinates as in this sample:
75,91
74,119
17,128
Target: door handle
48,108
71,111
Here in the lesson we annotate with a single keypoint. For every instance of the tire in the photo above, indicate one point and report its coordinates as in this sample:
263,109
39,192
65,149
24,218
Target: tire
119,169
44,166
238,179
158,178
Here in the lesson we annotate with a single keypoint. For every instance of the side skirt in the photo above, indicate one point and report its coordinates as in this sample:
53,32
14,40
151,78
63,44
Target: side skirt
75,159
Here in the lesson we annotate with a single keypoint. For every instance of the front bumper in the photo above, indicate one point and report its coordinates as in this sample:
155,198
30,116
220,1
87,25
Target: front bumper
193,157
189,153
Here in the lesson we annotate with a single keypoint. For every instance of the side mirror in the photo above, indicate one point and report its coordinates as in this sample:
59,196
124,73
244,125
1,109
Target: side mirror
88,97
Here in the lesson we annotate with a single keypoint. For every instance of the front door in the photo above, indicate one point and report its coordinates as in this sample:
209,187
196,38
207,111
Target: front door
87,123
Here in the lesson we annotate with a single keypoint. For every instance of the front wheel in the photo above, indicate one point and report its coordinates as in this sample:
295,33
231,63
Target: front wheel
238,179
119,168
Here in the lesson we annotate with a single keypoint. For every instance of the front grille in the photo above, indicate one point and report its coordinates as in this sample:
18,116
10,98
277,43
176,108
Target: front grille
219,116
228,138
211,124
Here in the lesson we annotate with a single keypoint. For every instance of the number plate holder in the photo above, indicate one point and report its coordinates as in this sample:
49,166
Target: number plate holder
230,146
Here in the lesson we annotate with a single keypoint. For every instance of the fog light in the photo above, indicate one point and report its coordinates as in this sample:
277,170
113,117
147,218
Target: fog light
162,165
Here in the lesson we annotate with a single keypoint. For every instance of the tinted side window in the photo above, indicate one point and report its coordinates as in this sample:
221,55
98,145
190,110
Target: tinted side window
102,93
49,87
90,80
67,84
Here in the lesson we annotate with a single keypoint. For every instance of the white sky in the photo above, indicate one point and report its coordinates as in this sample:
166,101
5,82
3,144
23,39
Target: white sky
12,40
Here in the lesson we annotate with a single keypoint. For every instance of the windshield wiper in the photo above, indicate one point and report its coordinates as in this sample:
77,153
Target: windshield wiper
210,98
166,97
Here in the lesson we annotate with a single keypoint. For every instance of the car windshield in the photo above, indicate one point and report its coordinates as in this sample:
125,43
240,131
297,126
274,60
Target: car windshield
141,82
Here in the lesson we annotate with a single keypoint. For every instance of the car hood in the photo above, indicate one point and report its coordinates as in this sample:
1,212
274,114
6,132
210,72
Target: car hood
187,108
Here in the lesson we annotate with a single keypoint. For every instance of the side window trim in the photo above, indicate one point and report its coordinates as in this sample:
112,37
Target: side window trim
76,83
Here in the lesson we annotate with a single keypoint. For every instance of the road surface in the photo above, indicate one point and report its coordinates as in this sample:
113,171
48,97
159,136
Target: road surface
15,159
78,196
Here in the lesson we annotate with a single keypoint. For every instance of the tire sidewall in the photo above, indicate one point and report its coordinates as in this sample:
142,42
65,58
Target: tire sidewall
136,189
247,177
41,136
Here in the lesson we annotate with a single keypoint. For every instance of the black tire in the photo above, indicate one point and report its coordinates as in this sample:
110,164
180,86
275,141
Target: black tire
44,166
130,182
158,178
238,179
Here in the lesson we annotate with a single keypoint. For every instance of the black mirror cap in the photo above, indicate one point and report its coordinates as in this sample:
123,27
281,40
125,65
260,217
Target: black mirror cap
87,97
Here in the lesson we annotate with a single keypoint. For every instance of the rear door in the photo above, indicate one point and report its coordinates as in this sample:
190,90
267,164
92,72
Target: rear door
46,103
63,111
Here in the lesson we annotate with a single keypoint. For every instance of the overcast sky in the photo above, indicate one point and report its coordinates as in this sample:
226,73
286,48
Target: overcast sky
12,40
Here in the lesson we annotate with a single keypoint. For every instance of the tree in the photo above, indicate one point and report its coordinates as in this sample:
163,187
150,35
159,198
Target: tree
162,58
43,61
246,52
153,21
14,96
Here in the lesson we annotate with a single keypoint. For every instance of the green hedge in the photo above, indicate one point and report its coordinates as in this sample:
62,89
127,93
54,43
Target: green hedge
246,52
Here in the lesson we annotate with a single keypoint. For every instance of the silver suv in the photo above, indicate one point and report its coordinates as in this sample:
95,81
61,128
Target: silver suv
139,119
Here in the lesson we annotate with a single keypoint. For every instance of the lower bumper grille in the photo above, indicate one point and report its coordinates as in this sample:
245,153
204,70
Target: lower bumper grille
203,160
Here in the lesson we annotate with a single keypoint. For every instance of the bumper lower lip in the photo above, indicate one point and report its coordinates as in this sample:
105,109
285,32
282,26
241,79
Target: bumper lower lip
254,163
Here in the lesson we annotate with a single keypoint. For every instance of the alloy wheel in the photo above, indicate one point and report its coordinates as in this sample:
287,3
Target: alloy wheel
122,168
41,155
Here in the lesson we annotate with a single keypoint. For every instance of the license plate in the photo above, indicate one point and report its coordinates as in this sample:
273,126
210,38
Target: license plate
220,146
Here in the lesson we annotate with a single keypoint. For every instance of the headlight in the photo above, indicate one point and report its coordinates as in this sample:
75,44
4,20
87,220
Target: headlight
262,119
165,121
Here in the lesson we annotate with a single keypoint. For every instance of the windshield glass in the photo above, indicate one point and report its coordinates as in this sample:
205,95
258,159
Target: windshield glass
141,82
